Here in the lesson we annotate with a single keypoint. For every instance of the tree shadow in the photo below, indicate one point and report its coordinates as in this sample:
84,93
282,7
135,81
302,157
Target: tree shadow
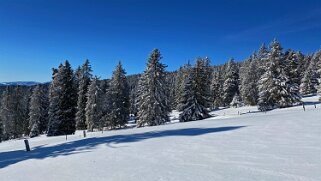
88,144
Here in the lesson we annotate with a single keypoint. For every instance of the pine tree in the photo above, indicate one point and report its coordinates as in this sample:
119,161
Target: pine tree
38,111
217,88
231,83
275,89
84,81
292,72
249,89
14,112
94,106
309,81
262,60
207,77
7,113
170,89
62,105
153,108
181,76
195,98
119,98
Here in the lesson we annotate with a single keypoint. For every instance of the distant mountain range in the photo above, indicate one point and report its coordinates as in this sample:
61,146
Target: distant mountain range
24,83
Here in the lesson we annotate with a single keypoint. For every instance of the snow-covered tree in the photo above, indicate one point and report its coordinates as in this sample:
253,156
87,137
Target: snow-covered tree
182,74
249,89
262,59
152,103
195,97
38,111
231,83
310,80
62,98
95,106
275,89
14,112
84,80
119,98
292,72
217,89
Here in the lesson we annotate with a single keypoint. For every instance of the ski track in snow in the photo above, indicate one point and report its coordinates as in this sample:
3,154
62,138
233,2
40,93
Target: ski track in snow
283,144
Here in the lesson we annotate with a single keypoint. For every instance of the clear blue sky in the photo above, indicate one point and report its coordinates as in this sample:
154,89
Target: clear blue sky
36,35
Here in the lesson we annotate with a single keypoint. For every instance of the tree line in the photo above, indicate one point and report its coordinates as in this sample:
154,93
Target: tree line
76,100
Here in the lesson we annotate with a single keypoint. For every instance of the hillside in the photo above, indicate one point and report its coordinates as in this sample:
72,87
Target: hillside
282,144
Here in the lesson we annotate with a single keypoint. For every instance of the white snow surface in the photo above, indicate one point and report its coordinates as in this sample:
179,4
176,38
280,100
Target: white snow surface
283,144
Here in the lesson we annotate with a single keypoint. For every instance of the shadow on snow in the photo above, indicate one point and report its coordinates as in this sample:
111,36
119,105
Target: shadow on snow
87,144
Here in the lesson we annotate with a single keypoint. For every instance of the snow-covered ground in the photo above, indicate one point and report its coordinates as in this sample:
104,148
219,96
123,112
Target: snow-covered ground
237,144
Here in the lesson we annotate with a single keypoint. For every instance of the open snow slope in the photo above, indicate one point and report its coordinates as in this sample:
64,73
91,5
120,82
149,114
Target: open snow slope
283,144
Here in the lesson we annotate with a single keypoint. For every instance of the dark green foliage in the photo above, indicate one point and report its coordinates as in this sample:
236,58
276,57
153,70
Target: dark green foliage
38,111
195,96
62,106
84,77
95,106
152,100
118,98
231,83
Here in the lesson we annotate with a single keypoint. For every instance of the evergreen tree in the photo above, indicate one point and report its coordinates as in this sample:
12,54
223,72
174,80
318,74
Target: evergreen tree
310,80
262,60
119,98
249,89
14,112
292,72
275,90
84,81
153,108
207,78
181,76
38,111
94,107
195,98
7,113
217,88
170,89
231,83
62,105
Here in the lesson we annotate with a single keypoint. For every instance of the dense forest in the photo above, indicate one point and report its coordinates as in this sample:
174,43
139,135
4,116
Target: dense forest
270,78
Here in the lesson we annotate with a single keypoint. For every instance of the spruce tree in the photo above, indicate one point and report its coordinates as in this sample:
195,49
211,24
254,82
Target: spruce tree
84,81
231,83
262,60
181,76
38,111
310,80
119,98
292,72
6,113
195,98
14,112
152,103
62,107
275,90
94,106
249,89
217,88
